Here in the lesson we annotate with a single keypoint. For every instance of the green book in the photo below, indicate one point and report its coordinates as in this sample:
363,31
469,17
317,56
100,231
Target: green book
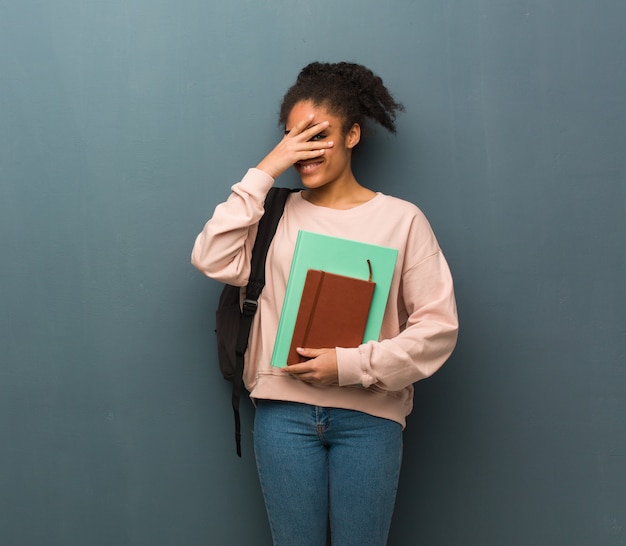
341,257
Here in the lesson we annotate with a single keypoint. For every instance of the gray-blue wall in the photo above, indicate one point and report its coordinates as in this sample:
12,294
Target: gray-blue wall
124,122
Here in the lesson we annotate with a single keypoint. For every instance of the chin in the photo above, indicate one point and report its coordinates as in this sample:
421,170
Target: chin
312,184
310,180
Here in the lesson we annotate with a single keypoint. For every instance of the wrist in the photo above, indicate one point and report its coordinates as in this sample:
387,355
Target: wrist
268,169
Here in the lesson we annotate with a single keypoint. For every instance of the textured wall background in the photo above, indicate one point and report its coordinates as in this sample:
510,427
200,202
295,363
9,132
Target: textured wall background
123,123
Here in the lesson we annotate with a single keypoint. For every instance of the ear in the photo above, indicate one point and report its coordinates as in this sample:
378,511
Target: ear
353,136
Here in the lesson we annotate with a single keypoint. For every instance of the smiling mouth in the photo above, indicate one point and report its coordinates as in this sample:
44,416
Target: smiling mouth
308,167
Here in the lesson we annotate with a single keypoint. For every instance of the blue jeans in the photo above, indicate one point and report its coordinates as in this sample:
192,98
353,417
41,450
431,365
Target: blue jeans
322,467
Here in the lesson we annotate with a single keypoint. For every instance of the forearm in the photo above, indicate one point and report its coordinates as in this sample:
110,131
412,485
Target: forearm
222,249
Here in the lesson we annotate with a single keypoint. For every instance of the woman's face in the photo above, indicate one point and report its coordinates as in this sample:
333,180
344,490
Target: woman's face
334,166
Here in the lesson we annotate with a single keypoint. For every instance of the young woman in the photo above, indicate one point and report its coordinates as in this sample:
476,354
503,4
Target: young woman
328,432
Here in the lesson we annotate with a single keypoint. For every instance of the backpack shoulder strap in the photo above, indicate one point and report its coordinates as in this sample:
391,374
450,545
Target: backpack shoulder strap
274,207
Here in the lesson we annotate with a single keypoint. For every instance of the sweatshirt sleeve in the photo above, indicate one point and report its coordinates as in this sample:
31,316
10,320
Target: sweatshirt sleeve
223,248
426,341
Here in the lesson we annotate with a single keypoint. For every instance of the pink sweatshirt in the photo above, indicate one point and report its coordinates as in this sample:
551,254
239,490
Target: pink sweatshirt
420,324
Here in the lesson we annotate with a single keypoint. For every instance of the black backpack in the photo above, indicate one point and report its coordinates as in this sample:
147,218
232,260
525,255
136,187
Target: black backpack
233,322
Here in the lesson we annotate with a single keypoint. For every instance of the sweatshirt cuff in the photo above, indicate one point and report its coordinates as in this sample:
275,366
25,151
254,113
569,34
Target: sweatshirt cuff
349,368
256,183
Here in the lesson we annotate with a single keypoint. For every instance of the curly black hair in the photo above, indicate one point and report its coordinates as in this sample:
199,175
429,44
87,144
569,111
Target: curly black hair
348,90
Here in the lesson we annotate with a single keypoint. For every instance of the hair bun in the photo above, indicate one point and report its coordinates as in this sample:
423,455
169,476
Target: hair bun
348,89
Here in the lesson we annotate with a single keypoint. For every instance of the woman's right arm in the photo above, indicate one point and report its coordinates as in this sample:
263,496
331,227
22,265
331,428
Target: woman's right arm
223,248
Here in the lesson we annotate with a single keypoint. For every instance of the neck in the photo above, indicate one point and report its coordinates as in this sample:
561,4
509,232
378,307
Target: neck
343,196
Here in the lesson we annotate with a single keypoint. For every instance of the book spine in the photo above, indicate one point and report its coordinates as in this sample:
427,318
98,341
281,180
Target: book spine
318,291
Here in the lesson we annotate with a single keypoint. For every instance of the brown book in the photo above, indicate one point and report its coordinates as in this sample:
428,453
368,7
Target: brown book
333,312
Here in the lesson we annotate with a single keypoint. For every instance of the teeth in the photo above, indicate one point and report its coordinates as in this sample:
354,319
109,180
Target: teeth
308,167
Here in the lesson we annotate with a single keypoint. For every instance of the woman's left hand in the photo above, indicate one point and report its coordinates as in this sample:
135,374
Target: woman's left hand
321,368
